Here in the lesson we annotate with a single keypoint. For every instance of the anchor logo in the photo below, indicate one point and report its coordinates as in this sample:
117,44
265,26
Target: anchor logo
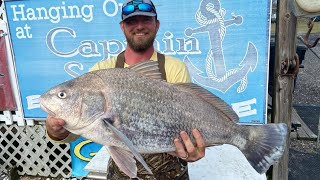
210,16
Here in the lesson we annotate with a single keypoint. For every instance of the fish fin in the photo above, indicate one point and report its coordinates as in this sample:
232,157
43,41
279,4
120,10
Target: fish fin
212,99
123,138
147,68
265,145
124,160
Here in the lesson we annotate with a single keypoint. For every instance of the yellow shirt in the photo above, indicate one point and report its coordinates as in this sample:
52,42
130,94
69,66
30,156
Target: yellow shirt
176,72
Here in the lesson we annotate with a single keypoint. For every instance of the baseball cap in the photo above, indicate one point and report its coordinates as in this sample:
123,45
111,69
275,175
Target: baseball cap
138,7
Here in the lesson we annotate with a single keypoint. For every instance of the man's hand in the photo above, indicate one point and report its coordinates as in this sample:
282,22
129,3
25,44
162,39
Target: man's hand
55,128
187,150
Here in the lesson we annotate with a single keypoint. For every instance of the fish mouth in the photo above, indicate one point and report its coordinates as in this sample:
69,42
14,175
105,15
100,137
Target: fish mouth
47,110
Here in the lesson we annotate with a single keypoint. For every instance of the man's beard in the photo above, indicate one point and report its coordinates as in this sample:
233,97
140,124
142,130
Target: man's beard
141,46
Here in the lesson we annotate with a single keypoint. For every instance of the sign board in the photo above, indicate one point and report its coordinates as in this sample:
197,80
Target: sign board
225,45
7,102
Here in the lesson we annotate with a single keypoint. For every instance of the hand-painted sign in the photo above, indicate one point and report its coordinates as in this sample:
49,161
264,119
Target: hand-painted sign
224,44
7,102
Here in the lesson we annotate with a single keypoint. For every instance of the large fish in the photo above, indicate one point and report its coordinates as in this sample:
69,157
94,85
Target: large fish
133,111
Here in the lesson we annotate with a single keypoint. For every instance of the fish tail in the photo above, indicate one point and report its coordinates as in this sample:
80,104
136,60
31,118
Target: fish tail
264,145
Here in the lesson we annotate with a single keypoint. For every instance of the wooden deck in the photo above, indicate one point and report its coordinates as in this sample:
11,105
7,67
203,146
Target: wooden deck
302,131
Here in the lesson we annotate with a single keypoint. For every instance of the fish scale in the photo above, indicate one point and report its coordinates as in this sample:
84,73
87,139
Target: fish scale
143,100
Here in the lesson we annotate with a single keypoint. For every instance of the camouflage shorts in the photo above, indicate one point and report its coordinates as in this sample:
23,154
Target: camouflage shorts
163,166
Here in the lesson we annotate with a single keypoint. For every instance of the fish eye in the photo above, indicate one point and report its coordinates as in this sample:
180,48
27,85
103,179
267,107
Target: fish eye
62,95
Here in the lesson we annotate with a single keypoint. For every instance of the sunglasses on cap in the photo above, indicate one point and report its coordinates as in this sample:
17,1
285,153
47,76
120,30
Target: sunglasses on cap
144,7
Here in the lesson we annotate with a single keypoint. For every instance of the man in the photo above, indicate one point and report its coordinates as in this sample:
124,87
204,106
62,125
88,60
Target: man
140,26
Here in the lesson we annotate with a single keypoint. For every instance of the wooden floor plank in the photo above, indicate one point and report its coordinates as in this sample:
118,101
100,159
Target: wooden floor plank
295,119
304,132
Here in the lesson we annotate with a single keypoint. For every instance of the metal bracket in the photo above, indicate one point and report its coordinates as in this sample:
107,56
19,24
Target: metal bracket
306,37
3,34
290,67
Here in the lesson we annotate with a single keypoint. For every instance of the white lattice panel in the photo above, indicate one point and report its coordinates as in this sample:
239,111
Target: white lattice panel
32,153
27,148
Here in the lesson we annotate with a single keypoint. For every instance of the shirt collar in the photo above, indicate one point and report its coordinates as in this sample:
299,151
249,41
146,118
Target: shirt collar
154,57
